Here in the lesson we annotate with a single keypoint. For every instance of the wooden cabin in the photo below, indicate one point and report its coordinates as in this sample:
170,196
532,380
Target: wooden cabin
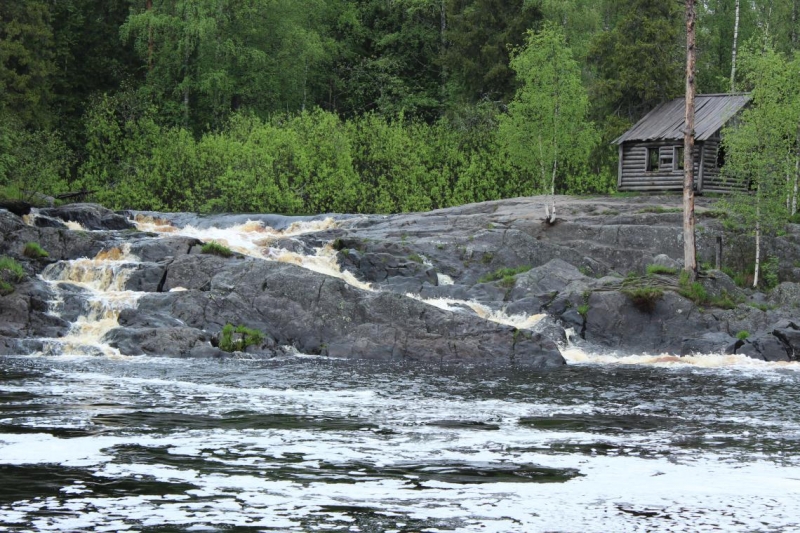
651,152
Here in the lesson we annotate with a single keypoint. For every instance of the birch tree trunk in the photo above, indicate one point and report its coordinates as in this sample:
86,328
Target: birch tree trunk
758,245
689,249
735,45
796,179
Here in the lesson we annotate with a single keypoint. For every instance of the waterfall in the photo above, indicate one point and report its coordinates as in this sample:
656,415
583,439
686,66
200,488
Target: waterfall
99,284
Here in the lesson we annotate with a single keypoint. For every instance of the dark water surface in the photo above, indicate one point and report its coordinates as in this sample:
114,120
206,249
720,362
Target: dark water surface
302,444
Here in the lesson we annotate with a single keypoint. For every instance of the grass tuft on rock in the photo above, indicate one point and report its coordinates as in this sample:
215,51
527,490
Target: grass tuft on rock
742,335
34,251
503,275
11,273
661,269
216,248
643,297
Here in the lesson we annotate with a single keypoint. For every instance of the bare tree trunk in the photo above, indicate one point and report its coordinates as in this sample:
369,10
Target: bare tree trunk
735,44
689,249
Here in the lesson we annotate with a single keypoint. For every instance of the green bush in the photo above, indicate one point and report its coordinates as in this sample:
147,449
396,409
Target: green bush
503,273
742,335
770,269
583,310
659,269
34,251
239,338
216,248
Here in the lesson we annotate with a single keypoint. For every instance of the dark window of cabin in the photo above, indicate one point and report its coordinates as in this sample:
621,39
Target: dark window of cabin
720,156
652,159
678,158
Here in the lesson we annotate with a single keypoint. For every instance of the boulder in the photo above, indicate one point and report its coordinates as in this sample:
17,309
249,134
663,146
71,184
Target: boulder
169,341
710,343
663,260
90,216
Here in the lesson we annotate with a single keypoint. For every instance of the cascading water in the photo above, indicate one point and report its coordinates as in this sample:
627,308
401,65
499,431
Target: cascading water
99,285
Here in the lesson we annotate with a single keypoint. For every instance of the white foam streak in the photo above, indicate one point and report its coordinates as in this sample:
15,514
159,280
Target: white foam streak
576,355
519,321
323,262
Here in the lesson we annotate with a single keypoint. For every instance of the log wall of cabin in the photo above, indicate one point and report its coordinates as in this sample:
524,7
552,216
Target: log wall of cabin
633,173
713,181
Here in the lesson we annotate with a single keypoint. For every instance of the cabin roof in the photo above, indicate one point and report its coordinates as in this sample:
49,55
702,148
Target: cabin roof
666,122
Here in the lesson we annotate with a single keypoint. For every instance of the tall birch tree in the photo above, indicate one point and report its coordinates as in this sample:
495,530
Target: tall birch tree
546,130
763,148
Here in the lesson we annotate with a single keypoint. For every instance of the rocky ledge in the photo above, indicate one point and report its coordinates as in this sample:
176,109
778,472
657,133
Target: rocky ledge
588,273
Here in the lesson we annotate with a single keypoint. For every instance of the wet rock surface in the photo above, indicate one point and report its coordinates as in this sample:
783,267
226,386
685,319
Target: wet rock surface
499,254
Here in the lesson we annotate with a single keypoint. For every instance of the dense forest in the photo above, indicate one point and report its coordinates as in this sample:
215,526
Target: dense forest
301,106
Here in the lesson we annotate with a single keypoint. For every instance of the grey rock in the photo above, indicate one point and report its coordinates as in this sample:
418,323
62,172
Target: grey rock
90,216
664,260
43,221
170,342
710,343
553,276
315,313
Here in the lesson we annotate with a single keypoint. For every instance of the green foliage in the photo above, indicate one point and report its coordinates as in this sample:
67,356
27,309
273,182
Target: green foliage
546,130
644,297
742,335
692,290
26,61
583,310
239,338
11,273
216,248
763,147
416,258
480,35
31,162
660,269
503,274
34,251
770,272
301,106
699,295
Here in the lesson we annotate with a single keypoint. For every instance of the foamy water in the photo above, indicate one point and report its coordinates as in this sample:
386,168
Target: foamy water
298,445
519,320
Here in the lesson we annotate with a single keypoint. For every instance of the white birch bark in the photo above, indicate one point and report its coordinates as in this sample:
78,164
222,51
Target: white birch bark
735,44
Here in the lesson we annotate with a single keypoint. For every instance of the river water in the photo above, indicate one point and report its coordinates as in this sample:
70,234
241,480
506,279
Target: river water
93,441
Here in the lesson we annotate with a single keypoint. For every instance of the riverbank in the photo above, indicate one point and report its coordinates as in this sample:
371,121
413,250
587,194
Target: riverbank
482,283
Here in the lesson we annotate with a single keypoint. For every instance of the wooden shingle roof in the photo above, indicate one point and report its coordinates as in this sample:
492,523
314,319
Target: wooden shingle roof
666,122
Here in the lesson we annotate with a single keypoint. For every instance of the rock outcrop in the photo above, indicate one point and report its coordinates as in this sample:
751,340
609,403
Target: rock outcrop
582,272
